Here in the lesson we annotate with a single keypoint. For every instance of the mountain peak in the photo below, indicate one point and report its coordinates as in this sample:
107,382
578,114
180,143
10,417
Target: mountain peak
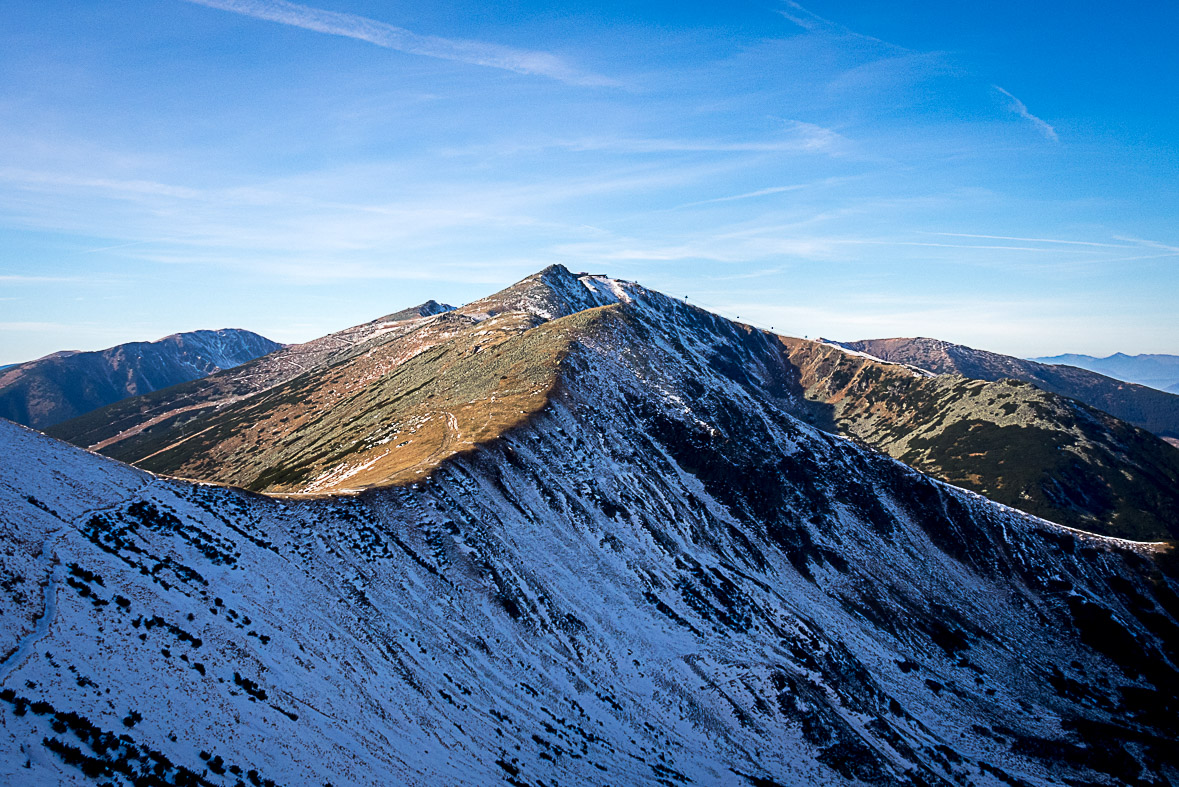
427,309
610,548
549,294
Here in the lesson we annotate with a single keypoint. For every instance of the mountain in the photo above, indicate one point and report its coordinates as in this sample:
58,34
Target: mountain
1043,453
624,561
61,386
133,420
399,397
1156,371
387,402
1144,407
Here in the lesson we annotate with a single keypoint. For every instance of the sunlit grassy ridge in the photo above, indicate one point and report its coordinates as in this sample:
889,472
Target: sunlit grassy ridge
355,424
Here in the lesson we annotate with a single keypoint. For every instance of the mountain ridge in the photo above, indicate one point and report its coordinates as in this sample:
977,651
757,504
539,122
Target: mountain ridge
403,397
1150,409
63,385
1049,455
660,577
1156,370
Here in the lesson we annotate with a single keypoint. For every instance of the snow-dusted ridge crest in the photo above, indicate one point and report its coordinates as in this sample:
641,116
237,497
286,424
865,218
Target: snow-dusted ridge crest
660,576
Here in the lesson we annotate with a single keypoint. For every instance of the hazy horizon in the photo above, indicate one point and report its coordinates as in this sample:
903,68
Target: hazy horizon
987,176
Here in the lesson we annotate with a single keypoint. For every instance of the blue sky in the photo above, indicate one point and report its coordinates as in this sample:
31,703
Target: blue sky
997,175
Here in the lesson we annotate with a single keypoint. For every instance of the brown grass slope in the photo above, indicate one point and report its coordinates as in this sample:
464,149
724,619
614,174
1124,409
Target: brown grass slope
1008,440
110,425
324,433
384,408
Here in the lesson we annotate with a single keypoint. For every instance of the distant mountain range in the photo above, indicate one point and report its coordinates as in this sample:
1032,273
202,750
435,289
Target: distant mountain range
577,532
1150,409
64,385
1156,371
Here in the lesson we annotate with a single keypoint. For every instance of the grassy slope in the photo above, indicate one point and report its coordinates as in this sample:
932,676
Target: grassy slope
179,404
392,427
1027,448
1150,409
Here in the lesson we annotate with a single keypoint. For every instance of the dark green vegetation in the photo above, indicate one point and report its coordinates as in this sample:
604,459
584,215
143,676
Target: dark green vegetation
1150,409
1030,449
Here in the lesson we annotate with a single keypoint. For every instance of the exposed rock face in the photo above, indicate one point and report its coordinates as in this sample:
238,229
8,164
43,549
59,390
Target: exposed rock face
64,385
656,574
1144,407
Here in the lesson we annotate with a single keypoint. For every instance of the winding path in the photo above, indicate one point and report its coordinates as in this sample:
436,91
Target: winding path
48,559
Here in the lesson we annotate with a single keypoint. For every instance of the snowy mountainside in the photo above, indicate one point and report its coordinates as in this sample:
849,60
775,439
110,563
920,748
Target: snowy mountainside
63,385
658,577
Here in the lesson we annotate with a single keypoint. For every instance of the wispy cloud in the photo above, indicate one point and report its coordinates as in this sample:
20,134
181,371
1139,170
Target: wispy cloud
390,37
1036,249
794,137
21,279
1154,244
813,23
766,192
800,137
1032,240
747,195
1019,108
53,180
31,326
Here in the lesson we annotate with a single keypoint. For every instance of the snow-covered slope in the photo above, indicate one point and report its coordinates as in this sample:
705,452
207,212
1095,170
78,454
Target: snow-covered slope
64,385
659,577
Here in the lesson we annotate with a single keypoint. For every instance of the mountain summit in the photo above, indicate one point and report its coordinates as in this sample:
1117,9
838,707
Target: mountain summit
386,402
